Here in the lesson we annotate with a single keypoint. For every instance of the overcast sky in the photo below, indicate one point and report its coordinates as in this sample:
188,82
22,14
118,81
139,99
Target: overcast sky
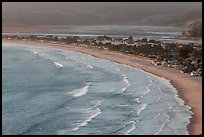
88,13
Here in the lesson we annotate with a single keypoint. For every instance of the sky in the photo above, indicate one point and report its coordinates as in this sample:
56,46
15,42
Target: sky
92,13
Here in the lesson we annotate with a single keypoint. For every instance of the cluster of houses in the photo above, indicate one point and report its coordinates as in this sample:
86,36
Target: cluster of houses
128,42
181,68
163,63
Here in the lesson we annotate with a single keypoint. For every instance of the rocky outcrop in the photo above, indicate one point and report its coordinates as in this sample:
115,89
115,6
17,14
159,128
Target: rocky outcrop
193,29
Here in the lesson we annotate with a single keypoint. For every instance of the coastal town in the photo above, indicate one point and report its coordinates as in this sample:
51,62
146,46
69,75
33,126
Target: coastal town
102,68
186,58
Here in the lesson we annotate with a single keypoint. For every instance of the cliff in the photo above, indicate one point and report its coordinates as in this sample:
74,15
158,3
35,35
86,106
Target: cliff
193,29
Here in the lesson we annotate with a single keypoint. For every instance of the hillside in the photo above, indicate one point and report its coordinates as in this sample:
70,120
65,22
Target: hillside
193,29
121,13
176,19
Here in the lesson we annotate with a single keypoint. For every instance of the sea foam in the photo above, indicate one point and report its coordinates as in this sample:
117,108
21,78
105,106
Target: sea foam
81,91
87,65
97,112
141,109
163,124
147,89
58,64
127,84
131,129
35,52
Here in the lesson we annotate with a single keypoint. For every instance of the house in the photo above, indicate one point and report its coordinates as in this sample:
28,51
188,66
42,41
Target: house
158,63
196,73
153,62
164,64
187,69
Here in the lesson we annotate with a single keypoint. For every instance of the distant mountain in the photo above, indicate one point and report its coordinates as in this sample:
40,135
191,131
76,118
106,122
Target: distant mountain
172,19
99,13
32,16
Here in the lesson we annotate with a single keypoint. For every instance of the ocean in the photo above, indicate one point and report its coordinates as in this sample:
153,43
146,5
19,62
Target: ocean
49,91
161,33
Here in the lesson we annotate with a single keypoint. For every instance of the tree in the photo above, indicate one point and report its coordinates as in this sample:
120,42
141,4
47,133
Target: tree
144,40
130,40
101,38
55,38
152,41
184,51
32,37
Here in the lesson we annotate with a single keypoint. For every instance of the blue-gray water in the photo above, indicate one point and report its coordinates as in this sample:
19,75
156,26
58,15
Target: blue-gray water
163,34
51,91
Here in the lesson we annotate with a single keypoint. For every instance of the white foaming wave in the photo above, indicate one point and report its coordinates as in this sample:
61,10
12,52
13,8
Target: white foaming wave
156,117
163,124
97,104
147,88
64,131
127,84
131,129
141,109
35,52
126,66
146,91
169,106
138,100
58,64
87,65
81,91
158,98
85,122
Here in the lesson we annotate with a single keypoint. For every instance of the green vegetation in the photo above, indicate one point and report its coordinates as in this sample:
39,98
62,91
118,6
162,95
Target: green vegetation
188,57
130,40
101,38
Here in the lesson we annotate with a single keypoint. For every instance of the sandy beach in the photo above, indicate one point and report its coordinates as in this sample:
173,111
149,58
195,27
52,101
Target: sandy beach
189,88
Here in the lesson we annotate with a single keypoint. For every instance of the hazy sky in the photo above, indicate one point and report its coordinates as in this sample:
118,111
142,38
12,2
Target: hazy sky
89,13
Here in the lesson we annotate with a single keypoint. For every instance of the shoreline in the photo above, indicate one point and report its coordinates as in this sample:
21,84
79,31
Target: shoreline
198,39
188,88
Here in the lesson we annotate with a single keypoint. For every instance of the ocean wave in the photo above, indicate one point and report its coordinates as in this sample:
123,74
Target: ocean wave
122,105
127,84
35,52
81,91
137,100
85,122
169,106
58,64
87,65
67,130
131,129
143,107
98,103
163,124
158,98
147,88
156,117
